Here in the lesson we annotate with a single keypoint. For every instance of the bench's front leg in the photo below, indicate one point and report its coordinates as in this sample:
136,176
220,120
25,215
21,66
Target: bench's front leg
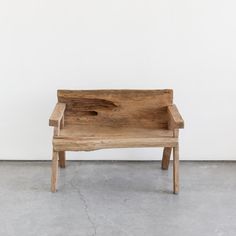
166,158
176,169
62,159
54,171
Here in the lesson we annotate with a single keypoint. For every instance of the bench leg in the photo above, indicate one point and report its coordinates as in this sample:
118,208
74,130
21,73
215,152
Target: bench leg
62,159
54,171
176,170
166,158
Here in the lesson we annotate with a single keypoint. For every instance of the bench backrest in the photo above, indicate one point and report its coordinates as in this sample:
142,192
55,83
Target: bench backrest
117,108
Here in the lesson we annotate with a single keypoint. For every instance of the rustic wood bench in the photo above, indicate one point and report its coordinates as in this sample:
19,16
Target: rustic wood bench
86,120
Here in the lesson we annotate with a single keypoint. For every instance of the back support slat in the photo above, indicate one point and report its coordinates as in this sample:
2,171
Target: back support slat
131,108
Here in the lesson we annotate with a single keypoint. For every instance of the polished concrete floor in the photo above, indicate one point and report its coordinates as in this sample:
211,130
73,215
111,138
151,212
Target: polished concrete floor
116,199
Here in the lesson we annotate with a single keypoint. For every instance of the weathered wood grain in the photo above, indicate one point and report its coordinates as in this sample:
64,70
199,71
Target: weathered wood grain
91,144
54,171
117,108
104,137
166,158
57,114
86,120
164,96
175,119
56,131
62,159
176,169
102,131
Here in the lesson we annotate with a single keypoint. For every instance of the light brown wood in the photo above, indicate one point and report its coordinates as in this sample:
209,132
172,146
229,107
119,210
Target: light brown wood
54,171
166,158
100,131
56,131
88,138
176,169
62,123
167,152
176,133
57,115
87,120
175,119
91,144
62,159
117,108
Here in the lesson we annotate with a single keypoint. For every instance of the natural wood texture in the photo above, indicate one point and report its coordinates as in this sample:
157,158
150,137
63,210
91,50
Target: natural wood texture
176,133
167,152
176,164
54,171
175,119
91,144
57,115
62,123
86,120
56,131
176,169
62,159
117,108
166,158
93,137
101,131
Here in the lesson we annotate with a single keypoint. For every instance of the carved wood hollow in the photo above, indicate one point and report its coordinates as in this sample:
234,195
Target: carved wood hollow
87,113
91,104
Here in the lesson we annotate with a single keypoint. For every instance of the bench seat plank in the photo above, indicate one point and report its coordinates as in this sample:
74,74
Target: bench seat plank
93,137
99,130
90,144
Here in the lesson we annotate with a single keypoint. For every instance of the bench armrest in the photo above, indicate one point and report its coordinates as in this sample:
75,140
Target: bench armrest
175,119
57,115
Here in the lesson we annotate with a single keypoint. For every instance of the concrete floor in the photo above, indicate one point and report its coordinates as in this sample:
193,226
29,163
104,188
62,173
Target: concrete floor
117,198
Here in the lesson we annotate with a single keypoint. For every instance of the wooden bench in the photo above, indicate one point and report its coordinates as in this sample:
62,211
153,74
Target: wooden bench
86,120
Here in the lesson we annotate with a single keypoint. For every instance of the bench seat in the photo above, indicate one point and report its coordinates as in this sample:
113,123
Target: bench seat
93,137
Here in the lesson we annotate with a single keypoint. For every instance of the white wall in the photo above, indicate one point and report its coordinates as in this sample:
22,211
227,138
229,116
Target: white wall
186,45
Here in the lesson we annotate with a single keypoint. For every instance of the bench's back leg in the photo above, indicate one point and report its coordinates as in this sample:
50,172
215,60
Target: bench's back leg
176,169
62,159
166,158
54,171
